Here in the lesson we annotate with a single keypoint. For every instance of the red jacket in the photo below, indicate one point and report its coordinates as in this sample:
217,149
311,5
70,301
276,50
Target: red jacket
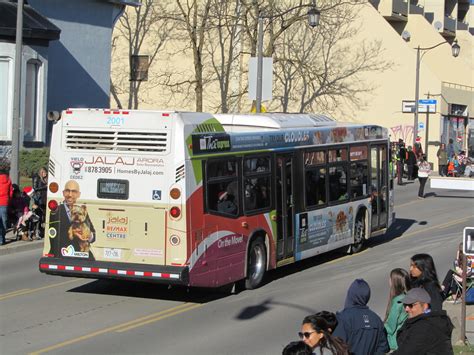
6,189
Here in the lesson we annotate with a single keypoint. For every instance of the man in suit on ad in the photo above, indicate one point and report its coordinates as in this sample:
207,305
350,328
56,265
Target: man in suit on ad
70,229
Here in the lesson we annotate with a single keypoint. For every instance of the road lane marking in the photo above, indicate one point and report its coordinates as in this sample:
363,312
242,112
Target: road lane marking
346,257
28,290
192,306
406,204
159,315
13,293
439,226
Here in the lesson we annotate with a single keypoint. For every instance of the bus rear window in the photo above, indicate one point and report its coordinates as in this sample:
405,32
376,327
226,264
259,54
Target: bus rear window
112,188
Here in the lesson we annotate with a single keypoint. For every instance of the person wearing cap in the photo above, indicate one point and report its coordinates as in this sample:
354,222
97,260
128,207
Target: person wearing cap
425,331
358,326
225,204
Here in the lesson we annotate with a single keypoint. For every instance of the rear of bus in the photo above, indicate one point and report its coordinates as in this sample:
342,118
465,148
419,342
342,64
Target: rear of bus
115,197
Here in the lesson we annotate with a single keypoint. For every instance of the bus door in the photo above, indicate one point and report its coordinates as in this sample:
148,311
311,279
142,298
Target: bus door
379,185
285,210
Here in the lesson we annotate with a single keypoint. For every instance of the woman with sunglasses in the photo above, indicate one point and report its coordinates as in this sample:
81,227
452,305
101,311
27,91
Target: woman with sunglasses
423,274
316,331
395,314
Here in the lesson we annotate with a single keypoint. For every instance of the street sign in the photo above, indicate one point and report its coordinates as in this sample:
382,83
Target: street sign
468,241
428,102
421,126
408,106
267,78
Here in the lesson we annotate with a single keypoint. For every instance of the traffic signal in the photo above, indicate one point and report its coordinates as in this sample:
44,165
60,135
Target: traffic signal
468,241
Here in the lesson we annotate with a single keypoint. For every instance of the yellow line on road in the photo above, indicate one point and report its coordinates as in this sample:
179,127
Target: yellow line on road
28,290
192,306
131,324
346,257
14,293
439,226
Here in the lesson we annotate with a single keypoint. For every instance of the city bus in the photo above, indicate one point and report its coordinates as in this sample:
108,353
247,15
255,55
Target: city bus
206,200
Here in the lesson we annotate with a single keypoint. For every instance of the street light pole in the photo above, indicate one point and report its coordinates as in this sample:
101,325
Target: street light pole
14,162
455,48
417,95
313,20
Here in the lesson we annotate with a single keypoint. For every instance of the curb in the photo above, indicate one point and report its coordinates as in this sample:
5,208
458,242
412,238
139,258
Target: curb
14,246
18,246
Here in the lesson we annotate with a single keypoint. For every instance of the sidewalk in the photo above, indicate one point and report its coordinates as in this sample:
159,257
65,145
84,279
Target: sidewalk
14,245
454,312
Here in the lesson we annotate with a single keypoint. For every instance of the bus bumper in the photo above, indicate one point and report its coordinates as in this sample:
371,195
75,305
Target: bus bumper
175,275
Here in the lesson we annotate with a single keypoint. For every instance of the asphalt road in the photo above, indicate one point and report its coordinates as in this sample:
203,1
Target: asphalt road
47,314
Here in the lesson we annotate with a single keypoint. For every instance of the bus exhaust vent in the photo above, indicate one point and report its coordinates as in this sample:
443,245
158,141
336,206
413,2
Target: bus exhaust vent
51,167
138,141
180,173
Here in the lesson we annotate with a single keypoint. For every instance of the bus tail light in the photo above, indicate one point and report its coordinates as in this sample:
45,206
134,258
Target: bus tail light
53,187
175,212
53,205
175,193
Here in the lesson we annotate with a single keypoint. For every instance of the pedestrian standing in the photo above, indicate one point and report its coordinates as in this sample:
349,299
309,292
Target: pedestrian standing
401,161
425,331
451,150
6,191
423,274
395,314
424,170
411,162
442,155
358,326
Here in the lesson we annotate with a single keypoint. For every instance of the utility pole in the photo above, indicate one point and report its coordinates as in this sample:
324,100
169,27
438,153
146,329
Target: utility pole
15,158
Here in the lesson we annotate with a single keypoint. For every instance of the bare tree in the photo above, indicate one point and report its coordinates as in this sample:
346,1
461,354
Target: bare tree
317,70
223,47
145,31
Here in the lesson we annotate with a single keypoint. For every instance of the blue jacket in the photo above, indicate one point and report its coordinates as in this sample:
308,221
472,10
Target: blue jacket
358,326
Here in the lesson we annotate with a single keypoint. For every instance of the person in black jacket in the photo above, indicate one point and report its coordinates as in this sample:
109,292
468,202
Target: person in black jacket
423,274
358,326
411,162
425,331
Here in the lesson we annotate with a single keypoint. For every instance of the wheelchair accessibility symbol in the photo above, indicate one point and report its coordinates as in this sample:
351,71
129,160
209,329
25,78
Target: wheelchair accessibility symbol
156,195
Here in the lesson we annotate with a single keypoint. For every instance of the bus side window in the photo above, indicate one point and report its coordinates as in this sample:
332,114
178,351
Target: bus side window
257,184
315,187
359,171
338,183
222,187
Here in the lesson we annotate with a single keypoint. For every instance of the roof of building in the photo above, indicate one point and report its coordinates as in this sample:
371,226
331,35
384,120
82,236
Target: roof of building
35,26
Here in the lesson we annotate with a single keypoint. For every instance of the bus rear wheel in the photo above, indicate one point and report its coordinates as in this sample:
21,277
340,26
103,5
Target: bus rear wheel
359,235
256,264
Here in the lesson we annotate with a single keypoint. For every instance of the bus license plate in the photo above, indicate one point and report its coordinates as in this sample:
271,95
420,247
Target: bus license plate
110,253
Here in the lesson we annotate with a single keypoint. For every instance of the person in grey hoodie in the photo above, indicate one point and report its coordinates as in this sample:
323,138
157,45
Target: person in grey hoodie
358,326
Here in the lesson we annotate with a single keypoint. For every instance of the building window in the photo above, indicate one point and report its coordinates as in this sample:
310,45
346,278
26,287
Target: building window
4,95
31,100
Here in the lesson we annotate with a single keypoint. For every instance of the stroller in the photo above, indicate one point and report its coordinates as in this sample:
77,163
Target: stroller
28,225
